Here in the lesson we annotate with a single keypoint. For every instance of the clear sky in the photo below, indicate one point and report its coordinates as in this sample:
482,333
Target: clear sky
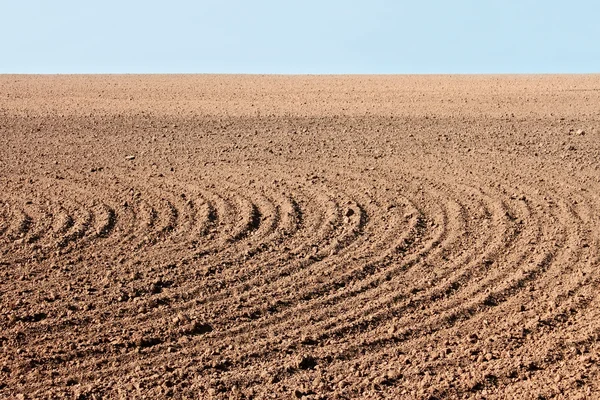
309,36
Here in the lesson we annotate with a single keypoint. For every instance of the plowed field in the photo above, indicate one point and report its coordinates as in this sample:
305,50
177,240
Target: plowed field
422,237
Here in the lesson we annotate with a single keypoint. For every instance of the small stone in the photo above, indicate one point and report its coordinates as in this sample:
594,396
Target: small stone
580,132
130,158
349,212
393,375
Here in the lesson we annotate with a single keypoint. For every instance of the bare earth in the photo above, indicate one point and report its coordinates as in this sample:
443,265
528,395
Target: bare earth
300,237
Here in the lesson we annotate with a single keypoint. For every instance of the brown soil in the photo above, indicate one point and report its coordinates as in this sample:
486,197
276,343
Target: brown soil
309,237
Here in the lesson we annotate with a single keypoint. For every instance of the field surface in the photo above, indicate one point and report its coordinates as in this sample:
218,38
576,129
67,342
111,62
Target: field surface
317,237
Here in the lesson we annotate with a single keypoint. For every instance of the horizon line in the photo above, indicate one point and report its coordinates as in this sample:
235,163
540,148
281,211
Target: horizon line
298,74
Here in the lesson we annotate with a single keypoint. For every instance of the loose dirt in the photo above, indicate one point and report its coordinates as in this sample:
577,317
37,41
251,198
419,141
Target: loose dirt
299,237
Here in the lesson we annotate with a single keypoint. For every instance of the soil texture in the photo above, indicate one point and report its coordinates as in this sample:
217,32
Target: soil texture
316,237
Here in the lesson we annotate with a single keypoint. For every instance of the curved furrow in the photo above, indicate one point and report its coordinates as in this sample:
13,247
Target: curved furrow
40,222
153,221
331,310
262,218
372,280
282,220
249,272
249,219
20,225
413,332
106,220
400,241
322,228
450,303
568,294
347,235
334,312
152,218
63,221
487,280
560,313
82,221
482,275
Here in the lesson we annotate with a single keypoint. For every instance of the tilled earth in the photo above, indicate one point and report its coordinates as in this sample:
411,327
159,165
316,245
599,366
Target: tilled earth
300,237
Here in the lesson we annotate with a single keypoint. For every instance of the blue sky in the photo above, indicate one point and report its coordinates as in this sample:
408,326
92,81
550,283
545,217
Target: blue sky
371,36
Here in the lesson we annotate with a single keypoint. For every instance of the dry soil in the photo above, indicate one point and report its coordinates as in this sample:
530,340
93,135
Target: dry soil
318,237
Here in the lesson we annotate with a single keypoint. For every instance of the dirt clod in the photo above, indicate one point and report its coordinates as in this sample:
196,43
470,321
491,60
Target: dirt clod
197,328
306,362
